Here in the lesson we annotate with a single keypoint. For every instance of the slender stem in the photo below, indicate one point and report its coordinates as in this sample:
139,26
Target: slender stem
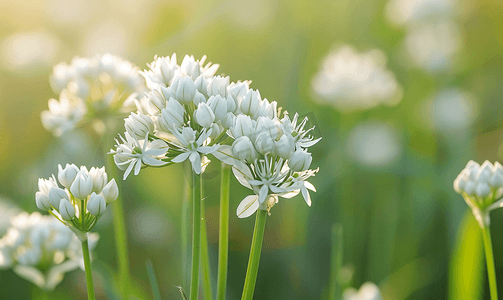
223,236
119,228
336,262
185,225
256,248
89,272
491,273
205,259
196,237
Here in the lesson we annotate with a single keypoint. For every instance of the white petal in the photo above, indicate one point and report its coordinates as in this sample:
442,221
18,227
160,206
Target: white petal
181,157
305,194
196,164
208,149
262,194
240,176
224,154
309,186
152,161
128,170
247,207
137,168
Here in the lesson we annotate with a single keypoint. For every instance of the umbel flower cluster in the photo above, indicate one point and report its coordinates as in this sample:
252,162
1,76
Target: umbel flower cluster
191,113
482,188
82,200
91,89
41,249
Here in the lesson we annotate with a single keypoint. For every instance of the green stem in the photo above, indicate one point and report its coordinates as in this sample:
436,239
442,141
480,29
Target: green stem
491,273
119,223
223,241
196,237
185,225
256,248
336,262
89,272
205,259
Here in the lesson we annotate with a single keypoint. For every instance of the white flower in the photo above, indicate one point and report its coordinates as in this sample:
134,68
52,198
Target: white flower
110,192
132,153
204,115
193,148
368,291
185,89
218,105
242,148
66,210
218,86
162,70
42,201
250,103
99,178
300,160
67,175
172,116
244,125
82,186
96,205
55,196
139,125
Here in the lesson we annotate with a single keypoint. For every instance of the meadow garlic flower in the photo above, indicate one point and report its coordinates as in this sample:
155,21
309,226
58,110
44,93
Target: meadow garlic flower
368,291
482,188
269,156
83,200
352,81
40,249
92,89
184,116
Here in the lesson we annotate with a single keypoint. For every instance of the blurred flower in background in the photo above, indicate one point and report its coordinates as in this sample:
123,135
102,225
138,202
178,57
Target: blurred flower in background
352,81
433,36
450,111
41,249
8,211
26,52
374,144
368,291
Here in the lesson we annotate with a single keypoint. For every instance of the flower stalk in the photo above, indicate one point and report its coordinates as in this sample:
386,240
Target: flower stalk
119,223
253,262
89,274
196,236
491,273
223,241
205,259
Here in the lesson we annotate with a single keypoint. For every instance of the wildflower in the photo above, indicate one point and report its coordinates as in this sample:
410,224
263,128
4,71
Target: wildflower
89,190
368,291
40,249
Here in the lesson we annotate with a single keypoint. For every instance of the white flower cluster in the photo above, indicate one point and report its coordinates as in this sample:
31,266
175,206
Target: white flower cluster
87,191
433,37
183,117
41,249
191,113
368,291
482,187
91,88
352,81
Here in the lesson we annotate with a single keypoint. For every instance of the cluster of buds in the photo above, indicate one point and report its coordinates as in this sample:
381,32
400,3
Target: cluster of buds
91,89
82,201
269,156
41,249
184,116
190,113
482,187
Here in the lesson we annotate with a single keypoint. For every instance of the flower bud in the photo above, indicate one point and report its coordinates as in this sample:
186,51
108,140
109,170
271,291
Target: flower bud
470,187
139,125
496,181
204,115
96,205
172,115
190,67
264,143
242,148
484,172
82,186
238,90
231,103
156,102
218,105
42,201
266,109
67,175
459,184
218,86
250,103
201,85
300,160
45,185
99,178
483,190
110,192
66,210
55,196
216,130
167,92
228,120
243,126
198,98
186,90
285,147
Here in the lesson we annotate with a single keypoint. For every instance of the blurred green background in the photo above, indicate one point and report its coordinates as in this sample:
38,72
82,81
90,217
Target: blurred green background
386,172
